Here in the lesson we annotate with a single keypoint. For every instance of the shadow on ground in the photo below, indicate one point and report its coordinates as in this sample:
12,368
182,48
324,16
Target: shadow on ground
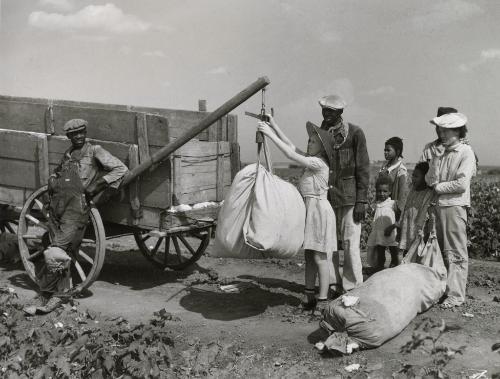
215,305
132,270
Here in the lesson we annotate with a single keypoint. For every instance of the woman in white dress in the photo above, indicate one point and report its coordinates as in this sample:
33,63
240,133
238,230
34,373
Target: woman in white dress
320,238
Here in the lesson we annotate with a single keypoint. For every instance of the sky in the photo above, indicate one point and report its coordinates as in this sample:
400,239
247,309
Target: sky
393,61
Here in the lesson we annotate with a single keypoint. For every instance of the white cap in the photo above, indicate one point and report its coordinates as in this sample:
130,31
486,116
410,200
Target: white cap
332,101
450,120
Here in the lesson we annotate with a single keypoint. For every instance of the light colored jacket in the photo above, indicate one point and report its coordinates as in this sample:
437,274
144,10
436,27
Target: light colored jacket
450,173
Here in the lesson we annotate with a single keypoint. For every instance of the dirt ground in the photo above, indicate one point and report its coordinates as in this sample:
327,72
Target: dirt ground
260,331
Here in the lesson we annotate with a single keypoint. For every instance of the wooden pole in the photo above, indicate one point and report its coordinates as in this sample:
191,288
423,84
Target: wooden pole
224,109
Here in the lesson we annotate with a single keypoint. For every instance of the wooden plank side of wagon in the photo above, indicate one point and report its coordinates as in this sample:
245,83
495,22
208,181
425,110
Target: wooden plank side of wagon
38,115
201,171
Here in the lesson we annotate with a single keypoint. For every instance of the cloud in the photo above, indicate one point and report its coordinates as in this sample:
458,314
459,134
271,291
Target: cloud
91,38
445,12
330,36
155,53
486,56
221,70
490,54
59,5
106,17
383,90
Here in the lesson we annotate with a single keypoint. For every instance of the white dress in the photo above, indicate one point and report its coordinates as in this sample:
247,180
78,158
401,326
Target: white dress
384,217
320,231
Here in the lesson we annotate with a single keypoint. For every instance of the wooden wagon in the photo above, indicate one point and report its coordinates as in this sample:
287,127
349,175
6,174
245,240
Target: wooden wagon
181,164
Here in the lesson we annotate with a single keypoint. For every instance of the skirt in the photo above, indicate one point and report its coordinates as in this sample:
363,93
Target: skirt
320,232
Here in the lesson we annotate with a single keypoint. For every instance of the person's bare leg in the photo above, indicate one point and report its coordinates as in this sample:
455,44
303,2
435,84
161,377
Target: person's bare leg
380,251
310,277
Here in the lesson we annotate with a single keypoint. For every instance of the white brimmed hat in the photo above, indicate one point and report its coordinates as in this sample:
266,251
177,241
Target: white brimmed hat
450,120
332,102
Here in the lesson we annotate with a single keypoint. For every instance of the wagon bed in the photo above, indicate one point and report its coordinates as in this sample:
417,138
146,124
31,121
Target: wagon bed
176,158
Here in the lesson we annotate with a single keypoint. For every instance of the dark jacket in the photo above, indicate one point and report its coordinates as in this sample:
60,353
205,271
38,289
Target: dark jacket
349,170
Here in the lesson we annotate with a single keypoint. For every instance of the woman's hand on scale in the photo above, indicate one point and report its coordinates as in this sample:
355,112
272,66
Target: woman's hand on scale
264,128
270,121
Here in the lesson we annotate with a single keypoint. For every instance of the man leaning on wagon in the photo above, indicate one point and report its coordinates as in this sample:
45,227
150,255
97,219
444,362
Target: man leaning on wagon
349,177
85,171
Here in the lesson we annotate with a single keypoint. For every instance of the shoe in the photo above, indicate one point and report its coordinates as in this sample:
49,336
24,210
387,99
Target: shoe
448,305
40,299
53,303
322,304
335,291
309,305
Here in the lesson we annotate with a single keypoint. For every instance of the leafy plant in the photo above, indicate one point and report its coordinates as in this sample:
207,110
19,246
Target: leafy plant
426,337
78,347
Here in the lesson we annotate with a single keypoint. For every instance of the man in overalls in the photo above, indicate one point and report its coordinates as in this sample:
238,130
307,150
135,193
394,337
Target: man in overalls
349,177
85,171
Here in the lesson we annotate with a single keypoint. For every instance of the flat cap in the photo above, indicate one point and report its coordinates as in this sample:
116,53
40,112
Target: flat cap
450,120
74,125
332,101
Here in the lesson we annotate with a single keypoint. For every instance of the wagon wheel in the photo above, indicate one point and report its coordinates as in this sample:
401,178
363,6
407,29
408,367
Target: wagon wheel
33,238
8,220
176,250
7,226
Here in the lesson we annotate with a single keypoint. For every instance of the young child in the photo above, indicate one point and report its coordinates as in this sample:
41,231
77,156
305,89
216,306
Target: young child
396,170
320,238
415,214
384,217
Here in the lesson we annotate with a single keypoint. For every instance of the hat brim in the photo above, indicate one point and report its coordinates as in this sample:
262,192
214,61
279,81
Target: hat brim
323,136
446,126
83,127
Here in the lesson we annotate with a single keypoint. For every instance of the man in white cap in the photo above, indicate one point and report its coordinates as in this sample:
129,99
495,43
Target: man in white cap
85,171
450,174
349,177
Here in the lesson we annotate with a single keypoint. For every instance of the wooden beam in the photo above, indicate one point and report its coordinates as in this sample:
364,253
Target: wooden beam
42,154
142,137
134,187
220,174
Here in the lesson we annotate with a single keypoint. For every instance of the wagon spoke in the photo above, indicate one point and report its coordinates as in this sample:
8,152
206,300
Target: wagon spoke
9,228
88,240
80,270
39,204
167,250
36,221
186,243
32,237
85,256
155,249
36,254
177,248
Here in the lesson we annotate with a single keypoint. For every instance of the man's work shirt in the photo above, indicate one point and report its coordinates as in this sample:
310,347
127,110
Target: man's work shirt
92,160
349,165
451,173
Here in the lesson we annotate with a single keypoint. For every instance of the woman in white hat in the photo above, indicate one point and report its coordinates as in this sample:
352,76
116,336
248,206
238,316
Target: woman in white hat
449,175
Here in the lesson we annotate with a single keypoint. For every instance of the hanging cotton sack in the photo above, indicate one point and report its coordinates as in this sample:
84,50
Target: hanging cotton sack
390,299
263,216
